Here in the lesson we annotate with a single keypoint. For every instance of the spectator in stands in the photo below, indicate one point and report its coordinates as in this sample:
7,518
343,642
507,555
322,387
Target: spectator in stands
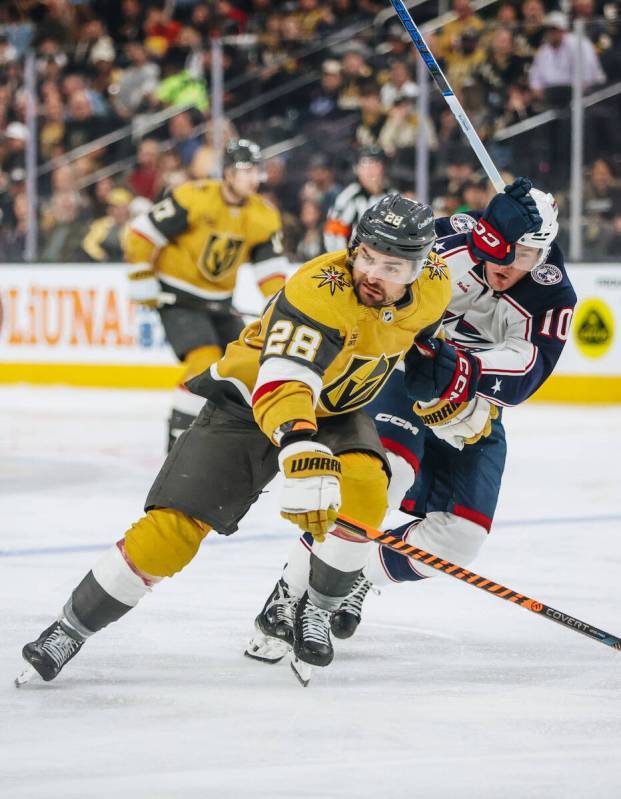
324,98
178,86
82,124
551,73
16,137
399,84
356,74
130,27
321,186
532,30
138,81
144,180
501,69
13,230
62,244
372,115
51,127
465,59
185,141
310,244
602,193
172,173
277,182
104,238
449,40
400,131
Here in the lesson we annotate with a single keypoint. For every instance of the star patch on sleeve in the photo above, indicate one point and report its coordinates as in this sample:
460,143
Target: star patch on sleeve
333,278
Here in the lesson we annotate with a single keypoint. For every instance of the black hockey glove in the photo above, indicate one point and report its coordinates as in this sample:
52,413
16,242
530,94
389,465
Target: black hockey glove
505,220
434,369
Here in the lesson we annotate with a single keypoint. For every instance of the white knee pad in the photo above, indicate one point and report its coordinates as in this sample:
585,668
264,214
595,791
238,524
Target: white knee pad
402,479
448,536
115,576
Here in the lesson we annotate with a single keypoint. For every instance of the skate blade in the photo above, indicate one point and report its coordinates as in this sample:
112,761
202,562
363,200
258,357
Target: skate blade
266,649
28,674
303,671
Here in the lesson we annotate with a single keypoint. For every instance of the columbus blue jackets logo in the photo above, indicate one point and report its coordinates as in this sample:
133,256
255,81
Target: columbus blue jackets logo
462,223
333,278
547,275
359,383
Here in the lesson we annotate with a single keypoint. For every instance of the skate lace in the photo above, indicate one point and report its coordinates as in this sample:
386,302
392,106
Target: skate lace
316,624
60,646
284,606
353,601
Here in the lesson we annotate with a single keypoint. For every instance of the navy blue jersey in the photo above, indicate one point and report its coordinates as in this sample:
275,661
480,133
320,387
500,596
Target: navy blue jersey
518,334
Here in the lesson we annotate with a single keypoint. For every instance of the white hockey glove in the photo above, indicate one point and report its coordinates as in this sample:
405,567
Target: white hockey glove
311,493
458,423
144,287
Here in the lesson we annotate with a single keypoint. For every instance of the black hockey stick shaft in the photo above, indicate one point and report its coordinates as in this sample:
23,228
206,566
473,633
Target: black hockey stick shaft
471,578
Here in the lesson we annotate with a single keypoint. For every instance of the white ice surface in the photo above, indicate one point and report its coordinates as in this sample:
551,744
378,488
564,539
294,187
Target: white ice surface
444,692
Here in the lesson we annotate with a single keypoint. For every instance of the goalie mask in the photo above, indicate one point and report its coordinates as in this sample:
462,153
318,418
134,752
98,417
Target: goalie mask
399,227
542,239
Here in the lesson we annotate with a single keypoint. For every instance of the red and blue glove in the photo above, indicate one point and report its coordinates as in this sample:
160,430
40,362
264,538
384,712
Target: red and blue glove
505,220
435,369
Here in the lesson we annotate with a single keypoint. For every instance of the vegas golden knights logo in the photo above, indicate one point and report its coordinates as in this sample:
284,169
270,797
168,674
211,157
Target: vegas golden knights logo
360,382
220,254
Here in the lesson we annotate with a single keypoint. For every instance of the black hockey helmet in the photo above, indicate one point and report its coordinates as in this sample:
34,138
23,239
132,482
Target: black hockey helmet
241,153
372,153
397,226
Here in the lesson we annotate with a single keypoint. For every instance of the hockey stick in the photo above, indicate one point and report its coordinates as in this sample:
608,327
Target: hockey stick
453,103
476,580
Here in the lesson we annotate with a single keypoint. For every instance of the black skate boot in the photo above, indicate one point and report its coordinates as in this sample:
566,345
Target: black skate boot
312,642
274,626
50,652
346,619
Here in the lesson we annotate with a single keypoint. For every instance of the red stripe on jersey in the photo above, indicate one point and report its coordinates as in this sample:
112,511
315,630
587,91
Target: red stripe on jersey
266,388
142,236
473,516
403,452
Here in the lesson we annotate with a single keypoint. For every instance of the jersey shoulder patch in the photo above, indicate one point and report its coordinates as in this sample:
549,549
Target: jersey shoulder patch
322,289
462,223
547,274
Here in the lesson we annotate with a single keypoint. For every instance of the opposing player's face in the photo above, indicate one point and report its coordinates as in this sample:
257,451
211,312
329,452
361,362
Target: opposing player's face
379,279
501,278
243,181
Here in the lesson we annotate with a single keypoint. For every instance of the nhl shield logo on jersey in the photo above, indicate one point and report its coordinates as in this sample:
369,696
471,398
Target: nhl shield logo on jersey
387,316
462,223
438,268
547,275
333,278
359,383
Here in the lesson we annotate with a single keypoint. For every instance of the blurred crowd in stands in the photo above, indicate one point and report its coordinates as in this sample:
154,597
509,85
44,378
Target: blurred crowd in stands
331,75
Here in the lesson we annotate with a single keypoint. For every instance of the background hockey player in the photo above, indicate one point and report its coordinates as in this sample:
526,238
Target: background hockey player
286,396
368,188
505,328
184,256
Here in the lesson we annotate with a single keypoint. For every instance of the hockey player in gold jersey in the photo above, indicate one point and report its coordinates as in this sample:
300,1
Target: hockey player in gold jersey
287,396
184,256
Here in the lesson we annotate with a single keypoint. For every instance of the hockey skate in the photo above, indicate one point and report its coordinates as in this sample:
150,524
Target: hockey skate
273,636
346,619
312,645
49,653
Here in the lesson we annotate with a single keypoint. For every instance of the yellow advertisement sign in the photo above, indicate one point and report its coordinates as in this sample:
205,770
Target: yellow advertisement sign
593,327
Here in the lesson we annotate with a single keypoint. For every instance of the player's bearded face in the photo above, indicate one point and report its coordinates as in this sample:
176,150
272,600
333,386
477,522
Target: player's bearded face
380,279
243,182
501,278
